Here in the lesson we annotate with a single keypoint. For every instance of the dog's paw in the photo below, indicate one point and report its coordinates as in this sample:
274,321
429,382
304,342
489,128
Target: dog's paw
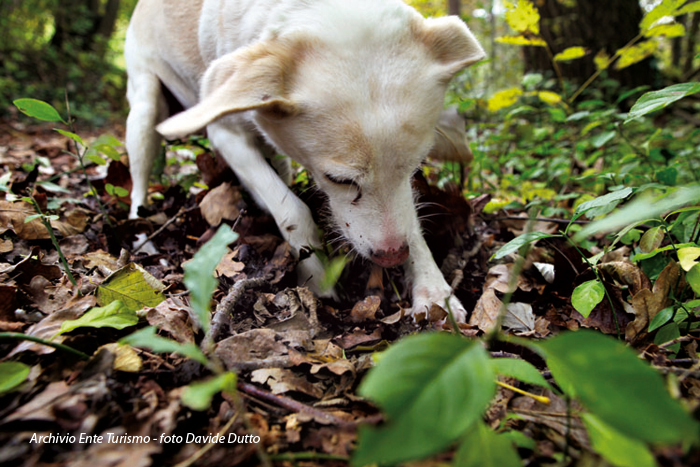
425,297
310,273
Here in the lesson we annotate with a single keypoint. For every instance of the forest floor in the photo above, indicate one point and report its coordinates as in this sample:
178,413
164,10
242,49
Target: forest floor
299,359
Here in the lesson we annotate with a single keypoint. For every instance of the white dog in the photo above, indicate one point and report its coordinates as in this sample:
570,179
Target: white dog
350,89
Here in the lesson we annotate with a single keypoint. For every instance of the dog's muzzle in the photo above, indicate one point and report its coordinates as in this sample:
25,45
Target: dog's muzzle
390,257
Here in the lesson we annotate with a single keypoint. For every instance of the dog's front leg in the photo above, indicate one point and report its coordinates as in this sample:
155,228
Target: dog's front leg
292,216
429,286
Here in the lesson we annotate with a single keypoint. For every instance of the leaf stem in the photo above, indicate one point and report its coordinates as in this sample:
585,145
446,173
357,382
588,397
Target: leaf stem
38,340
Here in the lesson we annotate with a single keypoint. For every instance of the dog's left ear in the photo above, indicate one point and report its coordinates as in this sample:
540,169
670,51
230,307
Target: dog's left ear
253,78
450,42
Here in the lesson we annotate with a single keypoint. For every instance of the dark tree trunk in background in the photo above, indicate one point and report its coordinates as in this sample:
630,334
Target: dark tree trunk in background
596,25
454,7
84,25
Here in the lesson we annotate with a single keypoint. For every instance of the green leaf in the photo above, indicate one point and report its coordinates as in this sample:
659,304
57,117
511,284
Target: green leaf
572,53
12,374
146,338
689,257
651,240
432,387
70,135
666,30
602,204
661,318
32,217
198,396
115,315
520,370
668,333
518,242
333,269
602,139
663,9
482,447
615,385
615,447
108,151
587,296
643,207
120,192
133,286
38,109
693,278
199,272
656,100
95,158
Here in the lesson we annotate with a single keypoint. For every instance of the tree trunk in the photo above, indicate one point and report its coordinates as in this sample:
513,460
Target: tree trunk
690,44
596,25
454,7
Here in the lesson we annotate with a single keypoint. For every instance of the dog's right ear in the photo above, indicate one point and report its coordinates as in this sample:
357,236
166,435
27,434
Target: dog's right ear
253,78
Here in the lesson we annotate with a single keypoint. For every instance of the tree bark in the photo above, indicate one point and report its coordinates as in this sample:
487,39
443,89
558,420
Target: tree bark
454,7
596,25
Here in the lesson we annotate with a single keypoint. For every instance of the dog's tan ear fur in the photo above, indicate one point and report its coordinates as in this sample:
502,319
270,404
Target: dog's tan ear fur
449,41
253,78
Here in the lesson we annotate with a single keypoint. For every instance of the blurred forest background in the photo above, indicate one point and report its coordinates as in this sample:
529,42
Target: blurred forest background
49,48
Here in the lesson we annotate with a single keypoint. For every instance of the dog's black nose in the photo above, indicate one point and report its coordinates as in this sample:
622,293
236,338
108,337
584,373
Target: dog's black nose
390,257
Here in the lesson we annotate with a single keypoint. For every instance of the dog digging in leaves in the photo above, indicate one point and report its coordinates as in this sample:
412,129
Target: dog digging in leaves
351,90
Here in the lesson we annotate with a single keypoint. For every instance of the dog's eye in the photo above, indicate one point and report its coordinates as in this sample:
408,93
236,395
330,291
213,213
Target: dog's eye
346,181
340,181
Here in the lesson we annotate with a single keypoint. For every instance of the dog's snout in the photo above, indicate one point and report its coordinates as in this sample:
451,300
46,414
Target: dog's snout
390,257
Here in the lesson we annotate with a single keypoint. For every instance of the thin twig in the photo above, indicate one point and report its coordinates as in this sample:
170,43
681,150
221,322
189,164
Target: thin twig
207,447
225,308
162,228
298,407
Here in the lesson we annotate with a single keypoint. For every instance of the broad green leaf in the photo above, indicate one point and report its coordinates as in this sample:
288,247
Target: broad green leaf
615,385
95,158
663,9
133,286
666,30
38,109
32,217
481,447
689,257
667,333
693,278
661,318
199,272
602,204
587,296
432,387
668,176
689,8
549,97
602,139
70,135
635,53
601,60
108,151
651,240
523,16
120,192
655,100
503,99
198,396
115,315
522,40
520,370
518,242
642,207
572,53
12,374
615,447
146,338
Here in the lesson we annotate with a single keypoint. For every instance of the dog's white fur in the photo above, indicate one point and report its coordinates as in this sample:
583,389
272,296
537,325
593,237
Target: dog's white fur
351,89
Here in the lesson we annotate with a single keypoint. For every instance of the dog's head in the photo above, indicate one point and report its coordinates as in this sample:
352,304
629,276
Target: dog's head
357,107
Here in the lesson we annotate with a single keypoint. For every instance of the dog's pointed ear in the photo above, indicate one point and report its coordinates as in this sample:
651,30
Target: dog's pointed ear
253,78
450,42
